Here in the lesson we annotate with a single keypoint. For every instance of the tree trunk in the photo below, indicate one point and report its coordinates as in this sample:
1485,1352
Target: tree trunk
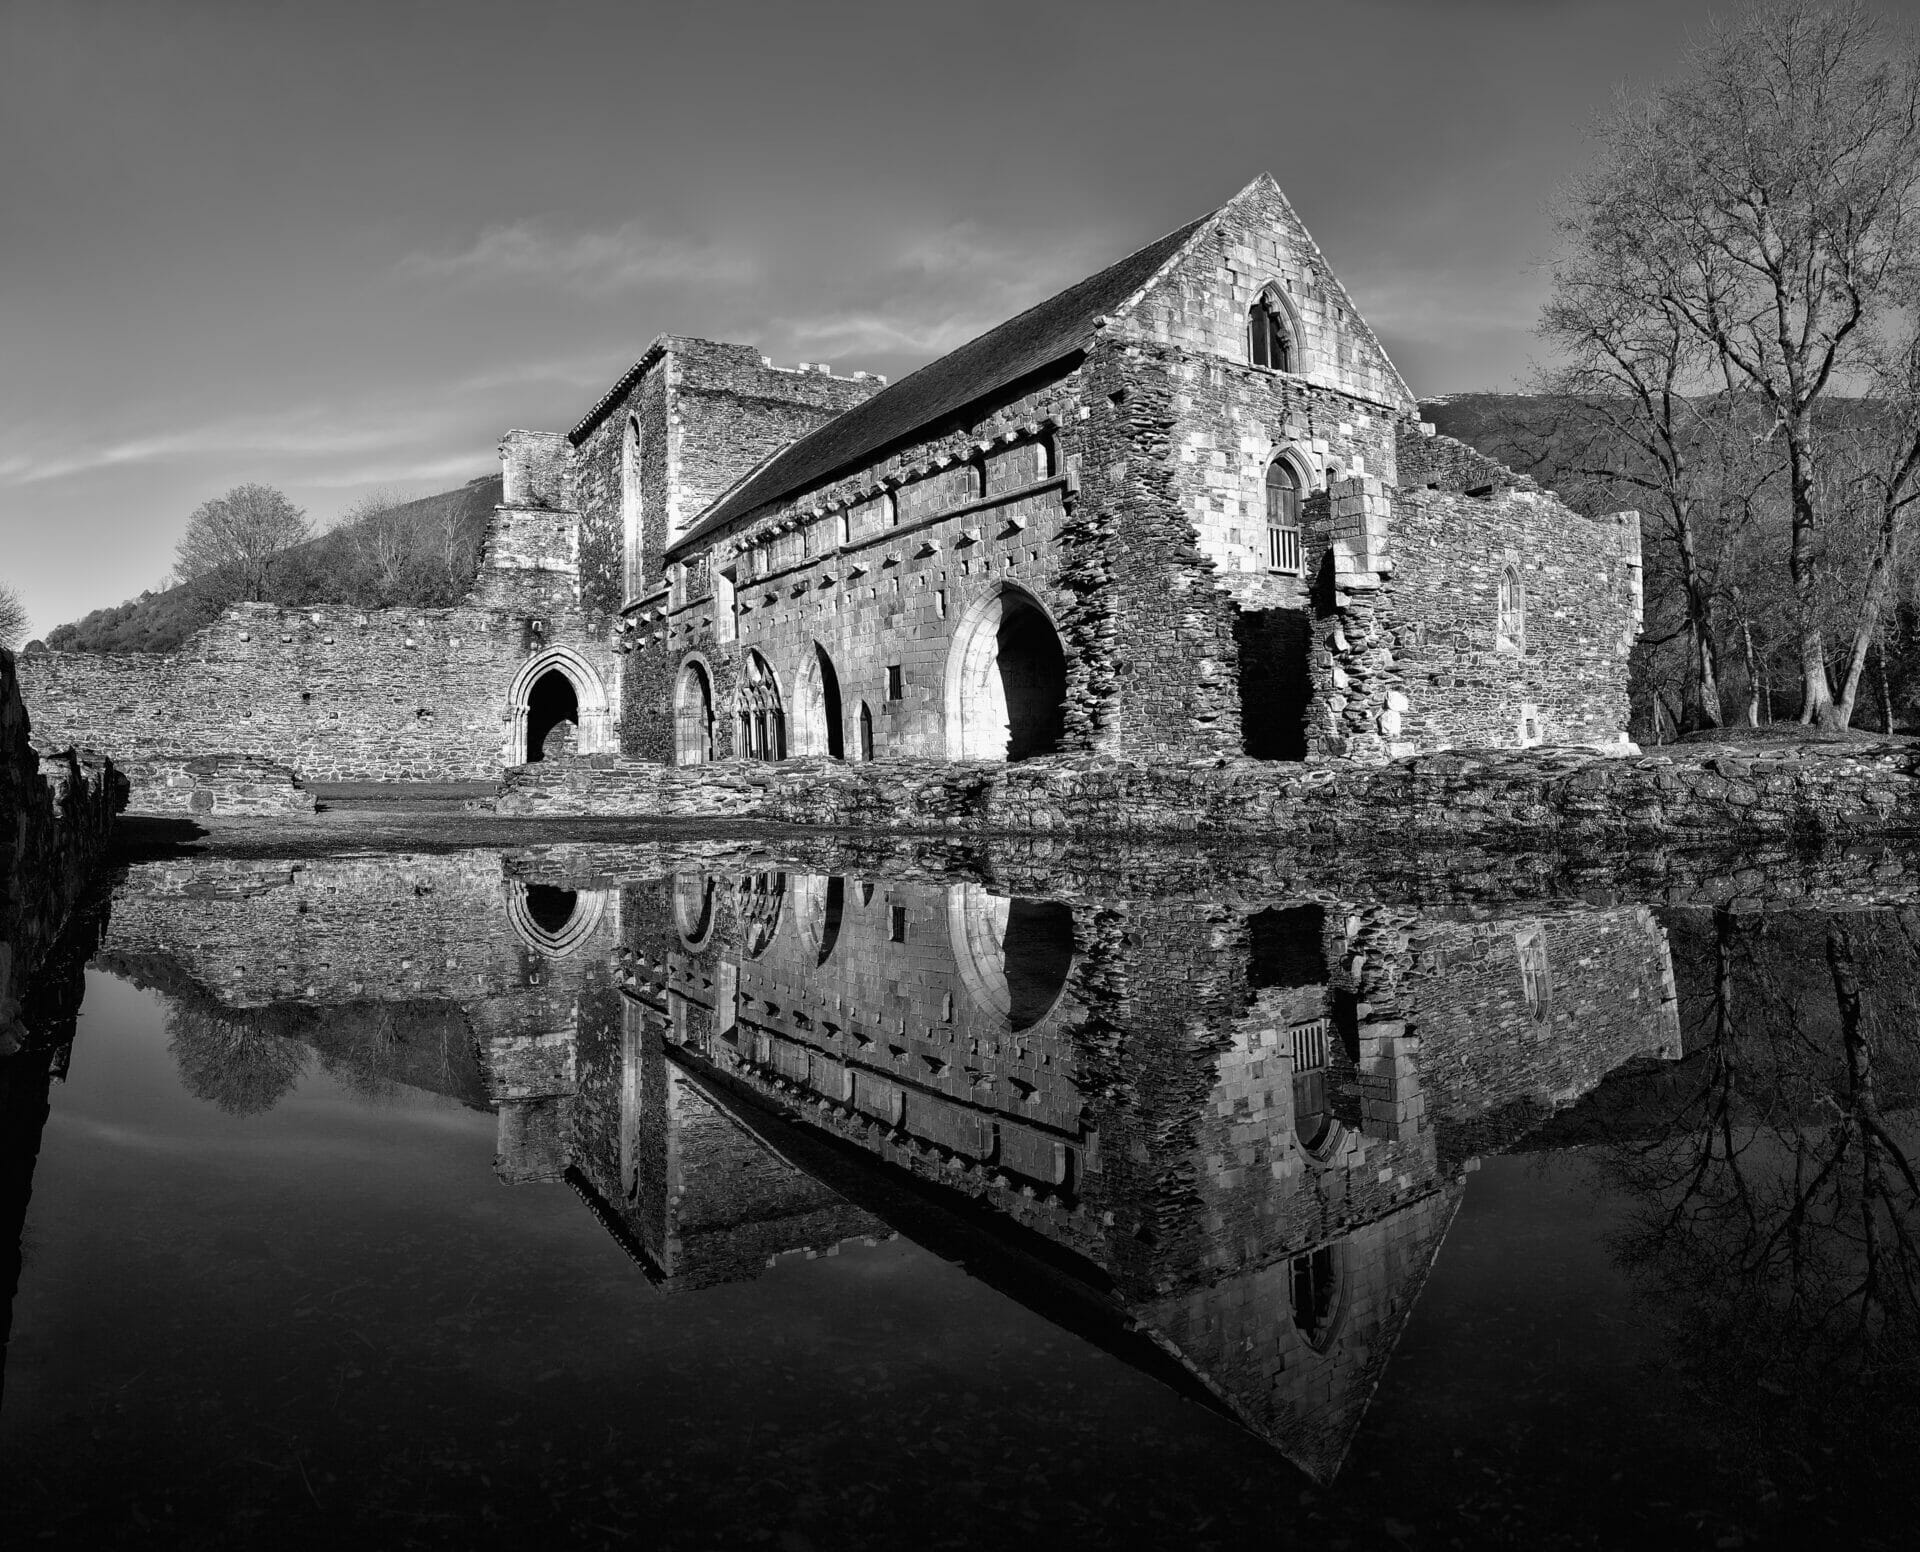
1753,676
1816,693
1886,690
1699,617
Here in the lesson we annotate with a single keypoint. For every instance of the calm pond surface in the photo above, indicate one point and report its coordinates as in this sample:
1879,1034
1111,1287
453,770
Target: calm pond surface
742,1194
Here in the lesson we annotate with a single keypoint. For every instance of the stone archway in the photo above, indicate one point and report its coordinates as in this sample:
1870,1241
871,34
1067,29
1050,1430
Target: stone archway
556,689
693,714
1006,686
817,726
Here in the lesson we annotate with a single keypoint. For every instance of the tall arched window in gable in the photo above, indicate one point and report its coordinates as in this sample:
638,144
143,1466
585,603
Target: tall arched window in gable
1283,518
630,504
1269,342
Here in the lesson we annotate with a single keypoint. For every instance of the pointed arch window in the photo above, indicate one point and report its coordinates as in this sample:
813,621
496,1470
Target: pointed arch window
630,517
1283,518
761,733
1269,340
1511,623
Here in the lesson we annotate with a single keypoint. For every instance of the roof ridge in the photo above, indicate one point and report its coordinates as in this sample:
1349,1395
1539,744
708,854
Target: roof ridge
1052,329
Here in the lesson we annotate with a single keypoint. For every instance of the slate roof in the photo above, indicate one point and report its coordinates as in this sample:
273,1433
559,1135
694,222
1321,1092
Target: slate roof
1038,337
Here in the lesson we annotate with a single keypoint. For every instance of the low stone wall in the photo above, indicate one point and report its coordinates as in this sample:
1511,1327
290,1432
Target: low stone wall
56,814
1697,790
216,784
335,693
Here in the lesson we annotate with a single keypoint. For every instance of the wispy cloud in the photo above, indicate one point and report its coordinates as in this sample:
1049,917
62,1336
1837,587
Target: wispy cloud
595,263
343,442
939,289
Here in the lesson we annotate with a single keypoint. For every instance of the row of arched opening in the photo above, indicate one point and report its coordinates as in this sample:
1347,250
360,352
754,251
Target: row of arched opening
1004,695
1011,954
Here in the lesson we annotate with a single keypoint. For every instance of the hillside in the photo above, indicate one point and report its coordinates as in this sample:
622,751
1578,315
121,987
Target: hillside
423,553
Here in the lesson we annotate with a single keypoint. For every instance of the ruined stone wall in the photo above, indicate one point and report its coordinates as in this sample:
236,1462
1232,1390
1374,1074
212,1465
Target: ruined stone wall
1427,460
1410,651
336,693
1685,793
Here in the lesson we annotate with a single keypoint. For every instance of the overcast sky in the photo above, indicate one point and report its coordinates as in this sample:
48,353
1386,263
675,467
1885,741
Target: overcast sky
334,246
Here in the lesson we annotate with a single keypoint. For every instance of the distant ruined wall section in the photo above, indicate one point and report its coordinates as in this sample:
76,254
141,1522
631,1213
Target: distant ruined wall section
338,694
1449,620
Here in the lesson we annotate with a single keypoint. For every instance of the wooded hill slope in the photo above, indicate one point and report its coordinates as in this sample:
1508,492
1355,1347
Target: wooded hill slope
423,553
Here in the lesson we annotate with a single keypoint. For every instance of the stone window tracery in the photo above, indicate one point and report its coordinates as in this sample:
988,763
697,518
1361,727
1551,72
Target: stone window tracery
762,731
1269,341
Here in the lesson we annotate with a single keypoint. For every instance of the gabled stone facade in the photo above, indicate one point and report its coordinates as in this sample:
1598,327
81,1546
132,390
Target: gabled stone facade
1101,528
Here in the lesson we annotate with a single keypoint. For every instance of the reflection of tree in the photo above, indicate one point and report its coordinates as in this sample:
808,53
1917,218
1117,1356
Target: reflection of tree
1775,1200
229,1059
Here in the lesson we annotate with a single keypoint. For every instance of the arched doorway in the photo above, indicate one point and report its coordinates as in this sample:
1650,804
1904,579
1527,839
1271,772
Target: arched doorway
866,731
557,692
693,715
1006,681
817,726
553,718
760,718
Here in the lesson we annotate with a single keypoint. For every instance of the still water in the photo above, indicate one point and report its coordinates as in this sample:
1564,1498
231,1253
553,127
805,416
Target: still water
722,1196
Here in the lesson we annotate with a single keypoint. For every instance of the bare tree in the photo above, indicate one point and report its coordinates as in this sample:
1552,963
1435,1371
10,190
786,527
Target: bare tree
233,544
1769,200
13,619
381,546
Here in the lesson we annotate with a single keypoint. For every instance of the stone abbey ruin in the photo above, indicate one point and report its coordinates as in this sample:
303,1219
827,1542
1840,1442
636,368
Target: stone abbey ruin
1184,510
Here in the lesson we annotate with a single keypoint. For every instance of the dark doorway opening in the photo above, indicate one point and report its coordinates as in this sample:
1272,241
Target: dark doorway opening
830,706
1274,684
1286,947
866,731
553,716
1033,676
551,908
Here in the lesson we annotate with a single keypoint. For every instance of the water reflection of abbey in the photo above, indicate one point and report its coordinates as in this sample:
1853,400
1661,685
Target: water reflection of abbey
1236,1130
1241,1127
